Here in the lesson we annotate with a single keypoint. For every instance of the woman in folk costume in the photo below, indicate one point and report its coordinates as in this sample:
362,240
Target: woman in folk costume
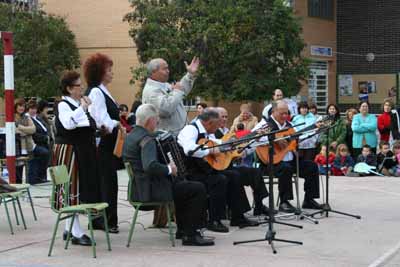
105,111
76,148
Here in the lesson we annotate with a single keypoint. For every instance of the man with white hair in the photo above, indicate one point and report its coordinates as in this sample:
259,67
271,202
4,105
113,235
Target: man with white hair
222,130
166,97
285,169
152,179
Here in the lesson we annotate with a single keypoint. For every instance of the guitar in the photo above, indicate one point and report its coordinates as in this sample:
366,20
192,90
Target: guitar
279,152
222,160
263,150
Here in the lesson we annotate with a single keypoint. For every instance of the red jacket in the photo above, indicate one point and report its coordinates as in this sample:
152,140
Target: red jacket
125,123
241,133
321,159
384,126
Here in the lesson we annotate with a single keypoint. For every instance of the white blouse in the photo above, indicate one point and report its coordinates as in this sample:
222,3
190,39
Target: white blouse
71,119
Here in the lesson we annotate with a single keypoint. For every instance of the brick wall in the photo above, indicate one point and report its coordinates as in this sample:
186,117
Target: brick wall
368,26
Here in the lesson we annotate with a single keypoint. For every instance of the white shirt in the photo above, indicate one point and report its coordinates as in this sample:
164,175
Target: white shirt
98,108
71,119
188,136
266,110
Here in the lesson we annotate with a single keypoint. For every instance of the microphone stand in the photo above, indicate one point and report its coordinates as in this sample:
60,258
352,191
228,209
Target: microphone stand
326,207
271,233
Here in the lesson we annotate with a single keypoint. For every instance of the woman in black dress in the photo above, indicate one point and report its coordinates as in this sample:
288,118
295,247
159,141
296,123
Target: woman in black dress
76,147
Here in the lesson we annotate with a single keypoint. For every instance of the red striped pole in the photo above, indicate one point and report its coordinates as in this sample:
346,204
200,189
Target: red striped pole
7,38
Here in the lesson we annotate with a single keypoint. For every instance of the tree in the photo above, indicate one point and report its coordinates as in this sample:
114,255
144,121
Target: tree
247,47
43,47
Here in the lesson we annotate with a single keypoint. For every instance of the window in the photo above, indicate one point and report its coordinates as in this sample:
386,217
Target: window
318,84
190,103
289,3
321,9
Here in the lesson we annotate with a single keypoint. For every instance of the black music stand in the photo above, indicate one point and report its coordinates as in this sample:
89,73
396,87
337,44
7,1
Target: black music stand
270,234
326,207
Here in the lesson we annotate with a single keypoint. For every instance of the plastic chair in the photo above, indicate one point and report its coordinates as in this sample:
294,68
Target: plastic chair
12,197
138,204
25,189
59,201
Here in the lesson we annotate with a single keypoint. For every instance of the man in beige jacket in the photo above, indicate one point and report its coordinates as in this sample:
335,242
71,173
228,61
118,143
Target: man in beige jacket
166,97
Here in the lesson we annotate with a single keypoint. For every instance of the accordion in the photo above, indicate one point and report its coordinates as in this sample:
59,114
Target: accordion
169,150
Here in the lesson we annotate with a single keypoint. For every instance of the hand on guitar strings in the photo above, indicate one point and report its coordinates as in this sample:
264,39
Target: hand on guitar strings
282,143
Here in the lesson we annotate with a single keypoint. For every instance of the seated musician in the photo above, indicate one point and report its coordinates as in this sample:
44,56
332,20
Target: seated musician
246,176
153,179
222,130
285,169
221,187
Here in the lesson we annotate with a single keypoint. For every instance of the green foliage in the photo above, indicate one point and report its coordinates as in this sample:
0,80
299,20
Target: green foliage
43,48
247,48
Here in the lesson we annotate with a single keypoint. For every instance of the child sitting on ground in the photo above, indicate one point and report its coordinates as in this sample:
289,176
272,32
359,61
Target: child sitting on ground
343,163
321,161
396,152
367,156
386,160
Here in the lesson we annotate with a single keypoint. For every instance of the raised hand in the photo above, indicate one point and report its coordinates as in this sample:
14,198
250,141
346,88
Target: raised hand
177,86
194,65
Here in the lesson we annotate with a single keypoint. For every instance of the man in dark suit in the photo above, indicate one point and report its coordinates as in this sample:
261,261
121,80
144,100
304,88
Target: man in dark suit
153,179
285,169
37,171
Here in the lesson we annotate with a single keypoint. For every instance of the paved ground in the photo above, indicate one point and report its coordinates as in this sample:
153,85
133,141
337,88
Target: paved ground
336,241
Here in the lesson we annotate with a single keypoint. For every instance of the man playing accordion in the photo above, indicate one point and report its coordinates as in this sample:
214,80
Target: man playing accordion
153,179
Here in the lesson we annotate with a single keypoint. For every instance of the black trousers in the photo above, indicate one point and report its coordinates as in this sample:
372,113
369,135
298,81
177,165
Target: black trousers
108,176
190,199
239,177
216,186
308,170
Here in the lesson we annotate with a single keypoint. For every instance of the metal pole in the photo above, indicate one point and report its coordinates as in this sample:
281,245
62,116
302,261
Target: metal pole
7,39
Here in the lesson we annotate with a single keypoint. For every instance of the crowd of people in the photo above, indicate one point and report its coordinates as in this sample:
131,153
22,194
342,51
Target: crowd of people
86,123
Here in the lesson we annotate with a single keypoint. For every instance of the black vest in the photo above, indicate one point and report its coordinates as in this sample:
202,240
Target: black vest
112,107
198,165
77,135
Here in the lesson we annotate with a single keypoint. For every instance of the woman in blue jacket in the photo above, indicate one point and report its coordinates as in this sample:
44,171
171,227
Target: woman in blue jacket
364,127
307,148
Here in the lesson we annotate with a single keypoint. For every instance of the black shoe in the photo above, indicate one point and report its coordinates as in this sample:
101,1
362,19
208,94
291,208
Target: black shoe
65,234
113,230
311,204
244,222
179,234
217,226
264,210
82,241
285,206
196,240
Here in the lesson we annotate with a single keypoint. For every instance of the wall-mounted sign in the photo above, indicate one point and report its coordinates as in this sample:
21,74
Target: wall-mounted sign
321,51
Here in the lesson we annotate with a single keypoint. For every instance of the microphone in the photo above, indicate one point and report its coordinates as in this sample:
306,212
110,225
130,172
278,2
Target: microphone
191,152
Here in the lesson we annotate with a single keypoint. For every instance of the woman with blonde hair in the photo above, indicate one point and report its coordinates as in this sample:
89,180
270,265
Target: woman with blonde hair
246,117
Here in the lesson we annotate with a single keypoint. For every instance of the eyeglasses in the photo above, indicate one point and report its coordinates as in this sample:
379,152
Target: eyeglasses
76,85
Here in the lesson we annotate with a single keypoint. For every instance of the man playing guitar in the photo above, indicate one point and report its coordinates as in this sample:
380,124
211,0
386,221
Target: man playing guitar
287,166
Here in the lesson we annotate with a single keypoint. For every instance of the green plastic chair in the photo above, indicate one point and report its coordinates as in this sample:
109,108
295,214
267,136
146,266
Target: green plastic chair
25,189
12,197
59,201
137,205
